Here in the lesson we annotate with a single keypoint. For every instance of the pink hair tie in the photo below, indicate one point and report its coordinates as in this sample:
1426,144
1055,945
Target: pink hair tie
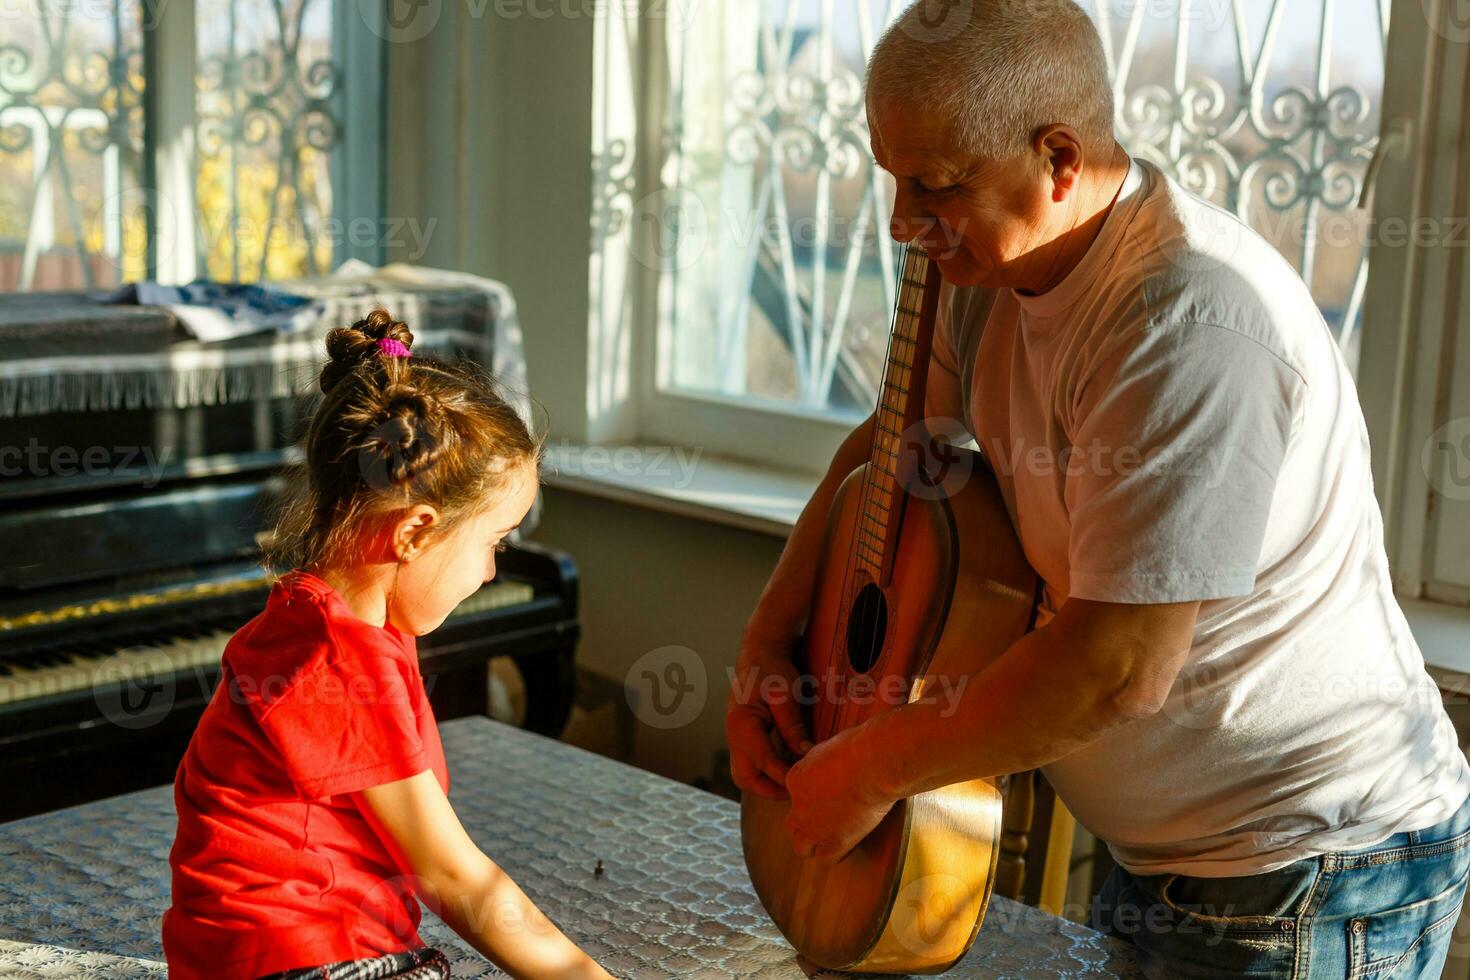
388,347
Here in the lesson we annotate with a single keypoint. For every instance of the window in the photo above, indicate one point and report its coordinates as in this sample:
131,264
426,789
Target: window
773,264
195,137
71,146
266,129
1414,379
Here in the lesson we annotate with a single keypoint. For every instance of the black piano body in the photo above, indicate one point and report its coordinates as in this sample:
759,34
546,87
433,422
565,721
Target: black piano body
130,540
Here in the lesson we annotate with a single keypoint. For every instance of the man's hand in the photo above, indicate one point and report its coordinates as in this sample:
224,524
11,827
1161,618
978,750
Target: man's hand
763,723
834,801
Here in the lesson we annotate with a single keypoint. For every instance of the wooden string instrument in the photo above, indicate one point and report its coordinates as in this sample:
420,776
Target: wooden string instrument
922,583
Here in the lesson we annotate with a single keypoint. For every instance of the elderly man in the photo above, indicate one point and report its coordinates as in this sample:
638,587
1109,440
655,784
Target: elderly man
1220,685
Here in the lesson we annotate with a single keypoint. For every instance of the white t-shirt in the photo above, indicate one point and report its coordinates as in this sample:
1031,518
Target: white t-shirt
1173,422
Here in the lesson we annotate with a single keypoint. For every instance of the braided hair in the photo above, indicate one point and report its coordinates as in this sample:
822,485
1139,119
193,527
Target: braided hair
392,431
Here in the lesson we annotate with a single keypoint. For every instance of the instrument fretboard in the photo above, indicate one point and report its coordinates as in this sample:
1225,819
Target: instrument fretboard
896,422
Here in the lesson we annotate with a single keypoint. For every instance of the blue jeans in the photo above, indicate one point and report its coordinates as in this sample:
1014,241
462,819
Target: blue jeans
1384,911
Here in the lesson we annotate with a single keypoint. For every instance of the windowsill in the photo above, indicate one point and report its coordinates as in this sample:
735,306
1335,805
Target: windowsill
1443,634
768,499
736,493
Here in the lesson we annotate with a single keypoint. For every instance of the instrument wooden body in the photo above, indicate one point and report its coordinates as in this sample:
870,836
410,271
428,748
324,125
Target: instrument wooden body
951,592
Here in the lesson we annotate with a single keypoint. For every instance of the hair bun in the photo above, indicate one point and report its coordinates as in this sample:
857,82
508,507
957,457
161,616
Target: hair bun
410,437
348,347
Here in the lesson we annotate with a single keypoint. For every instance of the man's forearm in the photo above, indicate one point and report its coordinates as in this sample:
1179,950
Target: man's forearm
1038,702
783,603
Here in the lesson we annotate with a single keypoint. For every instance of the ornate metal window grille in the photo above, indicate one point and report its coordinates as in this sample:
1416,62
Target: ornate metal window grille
71,145
779,217
266,129
76,210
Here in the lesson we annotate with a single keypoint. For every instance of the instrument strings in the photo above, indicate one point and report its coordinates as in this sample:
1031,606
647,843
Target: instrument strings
913,272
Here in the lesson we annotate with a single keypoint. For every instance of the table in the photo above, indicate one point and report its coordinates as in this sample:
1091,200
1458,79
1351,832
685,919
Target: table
82,890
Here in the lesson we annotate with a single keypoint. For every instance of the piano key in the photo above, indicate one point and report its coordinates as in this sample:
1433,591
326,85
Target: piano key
495,595
179,646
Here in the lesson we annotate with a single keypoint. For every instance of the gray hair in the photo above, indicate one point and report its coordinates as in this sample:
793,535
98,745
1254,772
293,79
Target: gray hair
996,72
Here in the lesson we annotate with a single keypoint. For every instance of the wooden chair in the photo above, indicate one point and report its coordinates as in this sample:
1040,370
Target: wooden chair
1036,844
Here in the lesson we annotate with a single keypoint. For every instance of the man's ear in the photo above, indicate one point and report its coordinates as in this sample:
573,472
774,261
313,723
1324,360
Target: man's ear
409,537
1061,150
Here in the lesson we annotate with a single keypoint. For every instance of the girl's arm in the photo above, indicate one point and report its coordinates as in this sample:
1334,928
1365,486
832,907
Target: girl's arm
465,888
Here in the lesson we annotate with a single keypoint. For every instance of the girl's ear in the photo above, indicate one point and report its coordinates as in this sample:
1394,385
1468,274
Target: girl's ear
409,538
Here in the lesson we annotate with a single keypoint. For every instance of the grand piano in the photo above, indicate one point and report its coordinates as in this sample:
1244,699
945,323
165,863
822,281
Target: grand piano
133,499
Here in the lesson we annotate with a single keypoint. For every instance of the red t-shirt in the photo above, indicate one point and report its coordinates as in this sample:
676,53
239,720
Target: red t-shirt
275,866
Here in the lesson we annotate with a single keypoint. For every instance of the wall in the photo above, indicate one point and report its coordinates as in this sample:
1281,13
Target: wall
489,122
652,580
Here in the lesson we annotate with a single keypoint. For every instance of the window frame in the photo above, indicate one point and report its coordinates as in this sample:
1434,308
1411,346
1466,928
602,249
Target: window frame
1410,336
1402,379
786,434
169,179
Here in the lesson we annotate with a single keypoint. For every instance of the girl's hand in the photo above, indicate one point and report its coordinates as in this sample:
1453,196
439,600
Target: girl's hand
465,888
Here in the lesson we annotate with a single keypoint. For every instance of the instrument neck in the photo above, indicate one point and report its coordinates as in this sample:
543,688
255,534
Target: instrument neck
899,439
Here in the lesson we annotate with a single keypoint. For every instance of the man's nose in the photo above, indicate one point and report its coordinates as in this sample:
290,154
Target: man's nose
907,222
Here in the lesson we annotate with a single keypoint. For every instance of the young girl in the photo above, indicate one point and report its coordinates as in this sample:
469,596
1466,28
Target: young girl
311,801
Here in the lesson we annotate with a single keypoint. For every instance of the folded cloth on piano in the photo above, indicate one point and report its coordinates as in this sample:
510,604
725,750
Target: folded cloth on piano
76,352
213,311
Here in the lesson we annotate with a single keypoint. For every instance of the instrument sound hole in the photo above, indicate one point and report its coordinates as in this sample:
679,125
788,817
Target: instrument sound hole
865,628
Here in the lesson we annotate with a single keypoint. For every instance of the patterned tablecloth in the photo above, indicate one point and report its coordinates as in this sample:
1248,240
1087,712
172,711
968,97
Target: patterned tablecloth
82,890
